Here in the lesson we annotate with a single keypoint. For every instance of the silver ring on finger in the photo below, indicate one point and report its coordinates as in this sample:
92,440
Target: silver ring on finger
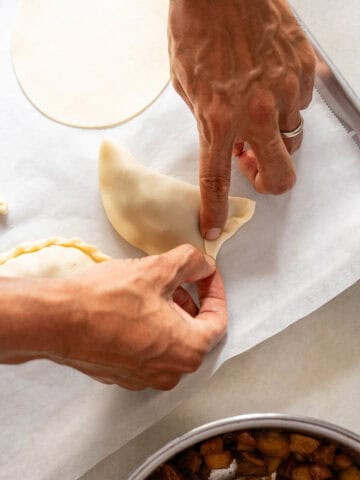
294,133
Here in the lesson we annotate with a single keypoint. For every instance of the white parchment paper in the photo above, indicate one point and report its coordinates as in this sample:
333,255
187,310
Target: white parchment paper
299,251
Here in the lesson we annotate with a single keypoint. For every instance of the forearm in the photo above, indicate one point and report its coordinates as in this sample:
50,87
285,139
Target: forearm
33,315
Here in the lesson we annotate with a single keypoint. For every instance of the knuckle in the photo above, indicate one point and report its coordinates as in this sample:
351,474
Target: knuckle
282,186
261,109
167,383
159,263
218,121
307,99
308,63
213,335
161,268
218,331
189,256
215,185
194,363
291,85
221,328
189,252
220,118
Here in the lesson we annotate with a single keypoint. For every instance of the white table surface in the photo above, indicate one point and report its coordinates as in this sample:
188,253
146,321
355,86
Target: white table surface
316,362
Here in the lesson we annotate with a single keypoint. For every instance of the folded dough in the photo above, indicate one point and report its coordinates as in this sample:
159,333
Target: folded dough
155,212
52,258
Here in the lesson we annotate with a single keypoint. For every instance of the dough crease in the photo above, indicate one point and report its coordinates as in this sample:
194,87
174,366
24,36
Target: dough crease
155,212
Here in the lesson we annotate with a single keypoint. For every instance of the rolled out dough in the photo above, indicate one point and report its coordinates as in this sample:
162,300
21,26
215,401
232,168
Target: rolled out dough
155,212
91,63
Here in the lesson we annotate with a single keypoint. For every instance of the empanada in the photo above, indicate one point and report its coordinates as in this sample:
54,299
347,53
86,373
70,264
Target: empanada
52,258
155,212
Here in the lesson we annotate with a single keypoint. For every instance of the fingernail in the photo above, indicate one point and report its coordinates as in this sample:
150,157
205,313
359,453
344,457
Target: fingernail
213,234
210,261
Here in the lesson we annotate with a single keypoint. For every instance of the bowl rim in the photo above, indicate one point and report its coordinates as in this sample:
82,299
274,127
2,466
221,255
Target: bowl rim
301,424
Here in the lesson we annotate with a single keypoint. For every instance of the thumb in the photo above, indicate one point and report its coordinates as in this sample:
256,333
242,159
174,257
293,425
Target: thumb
187,264
215,174
212,316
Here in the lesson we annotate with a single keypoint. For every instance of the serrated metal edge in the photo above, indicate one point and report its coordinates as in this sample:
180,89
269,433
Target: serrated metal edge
342,122
349,130
355,135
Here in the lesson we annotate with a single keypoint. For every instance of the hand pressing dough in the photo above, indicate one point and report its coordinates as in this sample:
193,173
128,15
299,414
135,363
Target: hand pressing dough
91,63
156,212
53,258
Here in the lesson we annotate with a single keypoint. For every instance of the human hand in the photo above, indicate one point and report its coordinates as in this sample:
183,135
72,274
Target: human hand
245,69
141,329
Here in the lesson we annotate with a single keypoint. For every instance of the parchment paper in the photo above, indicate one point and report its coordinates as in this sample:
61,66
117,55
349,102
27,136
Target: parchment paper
299,251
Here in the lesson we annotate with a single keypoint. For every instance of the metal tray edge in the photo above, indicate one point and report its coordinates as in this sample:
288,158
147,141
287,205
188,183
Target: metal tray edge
261,420
333,87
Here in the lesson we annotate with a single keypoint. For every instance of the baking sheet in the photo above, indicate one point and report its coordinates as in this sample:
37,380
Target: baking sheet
301,250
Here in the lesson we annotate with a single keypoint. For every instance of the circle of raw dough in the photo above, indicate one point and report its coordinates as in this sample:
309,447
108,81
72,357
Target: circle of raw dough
91,63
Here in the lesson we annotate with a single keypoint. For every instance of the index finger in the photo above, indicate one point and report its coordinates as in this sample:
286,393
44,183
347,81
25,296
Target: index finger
215,173
212,317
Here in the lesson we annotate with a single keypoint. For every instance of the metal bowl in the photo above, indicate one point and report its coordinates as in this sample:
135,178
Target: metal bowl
344,438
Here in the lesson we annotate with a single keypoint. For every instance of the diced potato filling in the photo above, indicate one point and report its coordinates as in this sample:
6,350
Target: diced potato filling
274,444
259,453
302,444
214,445
217,461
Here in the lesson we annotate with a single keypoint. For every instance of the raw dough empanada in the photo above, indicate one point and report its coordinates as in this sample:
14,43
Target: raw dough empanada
155,212
52,258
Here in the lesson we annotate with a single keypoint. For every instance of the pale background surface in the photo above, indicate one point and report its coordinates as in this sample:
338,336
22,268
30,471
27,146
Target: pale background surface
335,25
316,365
315,372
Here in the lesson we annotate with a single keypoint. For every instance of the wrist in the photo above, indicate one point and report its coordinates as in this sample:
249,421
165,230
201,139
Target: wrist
35,318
